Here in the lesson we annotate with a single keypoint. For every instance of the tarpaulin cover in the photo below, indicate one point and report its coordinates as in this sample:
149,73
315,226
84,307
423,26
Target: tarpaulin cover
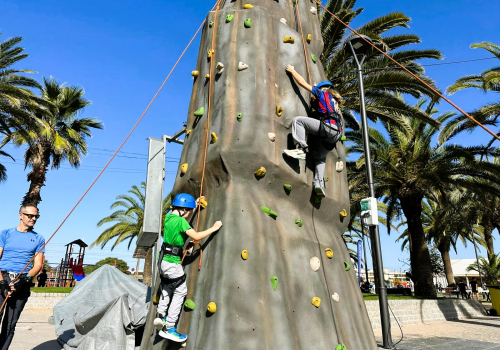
102,312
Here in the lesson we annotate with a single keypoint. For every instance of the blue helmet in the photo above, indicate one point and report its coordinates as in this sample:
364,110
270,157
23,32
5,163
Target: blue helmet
184,200
325,83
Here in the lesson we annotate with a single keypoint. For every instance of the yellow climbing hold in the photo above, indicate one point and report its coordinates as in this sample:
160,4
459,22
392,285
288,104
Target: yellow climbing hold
203,202
343,213
212,307
156,299
289,39
279,110
207,76
210,52
316,301
309,38
244,254
184,168
260,172
329,253
214,137
188,132
195,73
248,6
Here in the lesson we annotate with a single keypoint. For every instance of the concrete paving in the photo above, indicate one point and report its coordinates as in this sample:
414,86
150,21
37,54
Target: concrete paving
34,332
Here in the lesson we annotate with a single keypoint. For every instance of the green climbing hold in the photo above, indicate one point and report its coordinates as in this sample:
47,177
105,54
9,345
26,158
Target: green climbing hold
189,304
287,187
229,18
343,138
313,57
317,199
340,347
199,112
326,179
248,23
298,222
347,266
269,212
274,282
239,117
211,24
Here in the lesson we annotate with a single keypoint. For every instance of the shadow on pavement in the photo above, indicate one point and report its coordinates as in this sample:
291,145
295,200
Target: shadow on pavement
49,345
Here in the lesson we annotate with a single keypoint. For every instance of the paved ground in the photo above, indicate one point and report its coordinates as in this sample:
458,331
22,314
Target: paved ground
34,332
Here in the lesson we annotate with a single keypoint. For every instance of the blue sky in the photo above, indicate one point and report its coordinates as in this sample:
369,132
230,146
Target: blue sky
120,52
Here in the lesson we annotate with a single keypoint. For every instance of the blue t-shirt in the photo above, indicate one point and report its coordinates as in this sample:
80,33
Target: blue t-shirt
18,249
325,103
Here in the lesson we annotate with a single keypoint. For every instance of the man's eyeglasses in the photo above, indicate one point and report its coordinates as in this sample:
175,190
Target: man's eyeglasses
31,216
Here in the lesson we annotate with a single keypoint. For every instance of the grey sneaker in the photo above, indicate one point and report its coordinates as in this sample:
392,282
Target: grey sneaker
320,192
295,153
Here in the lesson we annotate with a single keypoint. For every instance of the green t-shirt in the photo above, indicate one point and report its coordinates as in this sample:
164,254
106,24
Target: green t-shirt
174,233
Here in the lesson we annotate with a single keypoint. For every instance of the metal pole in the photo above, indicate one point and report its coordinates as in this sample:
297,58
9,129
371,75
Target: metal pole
364,252
374,234
477,259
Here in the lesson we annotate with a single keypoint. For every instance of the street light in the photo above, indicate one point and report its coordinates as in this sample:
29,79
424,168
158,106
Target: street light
357,46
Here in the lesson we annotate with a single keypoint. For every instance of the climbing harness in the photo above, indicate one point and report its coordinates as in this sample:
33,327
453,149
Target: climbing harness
169,249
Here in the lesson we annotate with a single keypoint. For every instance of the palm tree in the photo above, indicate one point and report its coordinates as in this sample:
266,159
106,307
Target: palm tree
128,222
487,81
381,76
60,137
16,99
490,268
407,167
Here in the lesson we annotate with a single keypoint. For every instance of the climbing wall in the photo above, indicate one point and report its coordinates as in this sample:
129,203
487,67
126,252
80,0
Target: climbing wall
286,291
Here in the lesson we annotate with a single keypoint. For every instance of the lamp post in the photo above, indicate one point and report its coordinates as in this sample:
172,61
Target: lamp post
356,46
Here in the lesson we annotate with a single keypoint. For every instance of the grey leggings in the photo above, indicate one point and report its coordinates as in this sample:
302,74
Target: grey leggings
303,125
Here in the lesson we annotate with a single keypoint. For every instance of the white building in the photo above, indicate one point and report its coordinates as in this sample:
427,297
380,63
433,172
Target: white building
459,267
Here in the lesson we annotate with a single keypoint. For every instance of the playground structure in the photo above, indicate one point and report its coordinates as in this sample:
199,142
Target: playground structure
70,268
277,275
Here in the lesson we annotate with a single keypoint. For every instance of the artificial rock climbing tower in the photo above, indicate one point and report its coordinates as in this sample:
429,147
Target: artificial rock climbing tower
273,299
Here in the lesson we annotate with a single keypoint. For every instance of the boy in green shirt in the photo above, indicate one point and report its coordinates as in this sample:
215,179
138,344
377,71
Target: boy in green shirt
175,233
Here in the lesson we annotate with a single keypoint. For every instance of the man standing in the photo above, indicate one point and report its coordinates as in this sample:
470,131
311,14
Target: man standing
17,247
42,277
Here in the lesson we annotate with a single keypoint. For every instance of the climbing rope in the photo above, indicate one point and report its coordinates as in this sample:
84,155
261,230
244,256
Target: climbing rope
303,43
407,70
111,159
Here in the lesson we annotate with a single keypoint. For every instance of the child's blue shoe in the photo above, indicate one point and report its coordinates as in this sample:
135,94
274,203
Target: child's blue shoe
171,334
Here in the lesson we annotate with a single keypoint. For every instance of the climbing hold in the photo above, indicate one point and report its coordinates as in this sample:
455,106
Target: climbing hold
282,20
343,213
347,266
203,202
287,187
219,67
340,347
248,23
184,168
274,282
313,57
156,299
207,76
189,304
298,222
242,66
188,132
248,6
212,307
343,138
317,199
272,136
239,117
314,10
210,52
244,254
214,137
315,263
195,73
309,38
339,166
260,172
269,212
326,179
199,112
335,297
229,18
289,40
316,301
279,110
329,253
210,25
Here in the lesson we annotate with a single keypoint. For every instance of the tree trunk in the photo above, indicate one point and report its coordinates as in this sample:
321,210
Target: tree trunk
421,266
148,268
37,177
488,239
250,314
444,249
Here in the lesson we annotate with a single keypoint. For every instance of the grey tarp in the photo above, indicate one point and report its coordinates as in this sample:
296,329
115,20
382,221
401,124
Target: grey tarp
102,312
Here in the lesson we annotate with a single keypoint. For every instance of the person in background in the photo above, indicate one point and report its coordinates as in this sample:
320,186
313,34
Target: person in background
42,278
473,287
461,288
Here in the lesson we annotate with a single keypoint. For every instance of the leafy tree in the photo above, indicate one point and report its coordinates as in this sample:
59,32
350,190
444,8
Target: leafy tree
60,137
490,268
407,167
436,261
382,77
120,265
127,223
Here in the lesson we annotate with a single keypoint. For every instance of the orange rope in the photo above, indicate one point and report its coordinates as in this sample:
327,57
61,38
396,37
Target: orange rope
303,43
415,76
